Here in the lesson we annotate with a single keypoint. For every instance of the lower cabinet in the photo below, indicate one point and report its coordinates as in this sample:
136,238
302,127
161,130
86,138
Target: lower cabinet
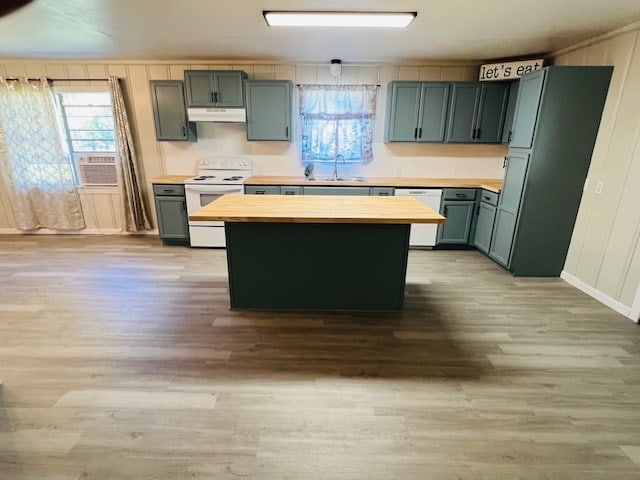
336,190
484,221
262,190
458,205
171,210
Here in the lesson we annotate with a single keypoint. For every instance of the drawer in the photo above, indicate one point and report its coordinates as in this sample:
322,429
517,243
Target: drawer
168,189
459,194
381,191
261,190
291,190
489,197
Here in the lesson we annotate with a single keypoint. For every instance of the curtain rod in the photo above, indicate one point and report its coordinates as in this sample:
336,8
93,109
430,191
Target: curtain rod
338,84
60,79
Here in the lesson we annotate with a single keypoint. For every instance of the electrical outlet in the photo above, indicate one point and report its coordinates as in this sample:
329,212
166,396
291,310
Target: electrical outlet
599,187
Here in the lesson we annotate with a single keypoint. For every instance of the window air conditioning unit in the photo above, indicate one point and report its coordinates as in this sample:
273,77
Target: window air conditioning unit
98,170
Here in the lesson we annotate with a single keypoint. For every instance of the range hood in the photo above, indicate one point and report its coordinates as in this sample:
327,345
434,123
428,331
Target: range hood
229,115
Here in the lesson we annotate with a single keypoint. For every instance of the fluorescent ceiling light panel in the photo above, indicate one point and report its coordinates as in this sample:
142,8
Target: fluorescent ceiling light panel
339,19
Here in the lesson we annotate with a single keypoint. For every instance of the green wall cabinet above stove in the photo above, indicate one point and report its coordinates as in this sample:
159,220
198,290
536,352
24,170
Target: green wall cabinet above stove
215,88
268,109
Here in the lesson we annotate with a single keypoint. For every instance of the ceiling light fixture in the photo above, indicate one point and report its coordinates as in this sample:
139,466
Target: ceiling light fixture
339,19
336,67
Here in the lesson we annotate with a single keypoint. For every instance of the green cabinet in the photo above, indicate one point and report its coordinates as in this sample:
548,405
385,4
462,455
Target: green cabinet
508,205
215,88
477,112
268,109
458,207
169,111
291,190
557,117
262,190
321,190
486,214
416,111
171,210
507,130
526,114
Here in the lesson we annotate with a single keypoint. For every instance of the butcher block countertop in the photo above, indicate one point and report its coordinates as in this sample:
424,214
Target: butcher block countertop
491,184
317,209
171,179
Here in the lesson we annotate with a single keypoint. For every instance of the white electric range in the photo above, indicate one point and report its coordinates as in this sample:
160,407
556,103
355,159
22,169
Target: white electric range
217,176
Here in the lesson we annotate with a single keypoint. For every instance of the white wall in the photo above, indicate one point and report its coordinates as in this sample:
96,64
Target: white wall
604,256
277,158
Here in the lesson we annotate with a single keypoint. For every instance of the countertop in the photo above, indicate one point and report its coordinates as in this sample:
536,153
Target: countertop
171,179
317,209
491,184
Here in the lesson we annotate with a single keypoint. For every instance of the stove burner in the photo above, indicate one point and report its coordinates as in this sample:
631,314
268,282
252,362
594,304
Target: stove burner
203,177
232,179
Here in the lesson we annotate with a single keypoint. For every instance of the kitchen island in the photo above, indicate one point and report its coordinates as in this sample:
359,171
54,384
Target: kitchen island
317,252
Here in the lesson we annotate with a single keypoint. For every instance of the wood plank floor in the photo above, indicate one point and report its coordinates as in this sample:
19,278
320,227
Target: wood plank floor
121,360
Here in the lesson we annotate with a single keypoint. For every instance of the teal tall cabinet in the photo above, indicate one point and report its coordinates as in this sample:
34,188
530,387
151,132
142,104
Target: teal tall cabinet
556,121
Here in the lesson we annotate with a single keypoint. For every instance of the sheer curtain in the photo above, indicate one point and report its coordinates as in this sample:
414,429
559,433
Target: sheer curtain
33,164
132,202
337,120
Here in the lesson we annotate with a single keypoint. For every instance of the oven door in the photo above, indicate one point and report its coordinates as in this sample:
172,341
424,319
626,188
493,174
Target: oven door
200,195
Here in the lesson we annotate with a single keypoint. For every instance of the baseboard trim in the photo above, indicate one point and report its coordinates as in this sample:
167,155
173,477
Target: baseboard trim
598,295
86,231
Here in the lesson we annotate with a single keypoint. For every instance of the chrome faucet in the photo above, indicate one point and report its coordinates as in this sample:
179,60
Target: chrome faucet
334,175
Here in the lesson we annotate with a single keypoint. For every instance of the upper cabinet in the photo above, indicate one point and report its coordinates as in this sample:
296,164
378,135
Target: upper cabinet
417,111
169,112
526,114
477,112
269,109
215,88
507,131
453,112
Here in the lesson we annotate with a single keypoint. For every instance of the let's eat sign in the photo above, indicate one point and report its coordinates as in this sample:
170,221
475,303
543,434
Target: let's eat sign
508,70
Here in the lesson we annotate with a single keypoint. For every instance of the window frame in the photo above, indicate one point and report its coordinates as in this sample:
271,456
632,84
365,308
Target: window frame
67,140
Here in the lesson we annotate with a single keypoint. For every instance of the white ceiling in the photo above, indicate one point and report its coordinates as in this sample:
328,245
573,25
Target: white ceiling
218,29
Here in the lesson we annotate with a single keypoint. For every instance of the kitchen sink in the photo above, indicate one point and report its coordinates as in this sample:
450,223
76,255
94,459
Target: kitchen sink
339,179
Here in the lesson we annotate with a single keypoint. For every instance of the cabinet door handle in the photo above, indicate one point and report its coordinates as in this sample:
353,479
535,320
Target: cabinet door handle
461,195
506,160
509,137
415,133
286,132
473,133
486,197
184,131
420,132
477,133
215,97
168,190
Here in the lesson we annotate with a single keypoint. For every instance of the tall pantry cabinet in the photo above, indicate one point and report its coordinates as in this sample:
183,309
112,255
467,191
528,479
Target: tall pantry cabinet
555,126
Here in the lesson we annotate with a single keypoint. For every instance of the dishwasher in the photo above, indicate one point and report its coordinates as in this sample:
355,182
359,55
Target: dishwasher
423,234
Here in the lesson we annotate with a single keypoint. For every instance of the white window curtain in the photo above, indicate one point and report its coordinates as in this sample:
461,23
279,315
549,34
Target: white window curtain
337,120
34,167
132,202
